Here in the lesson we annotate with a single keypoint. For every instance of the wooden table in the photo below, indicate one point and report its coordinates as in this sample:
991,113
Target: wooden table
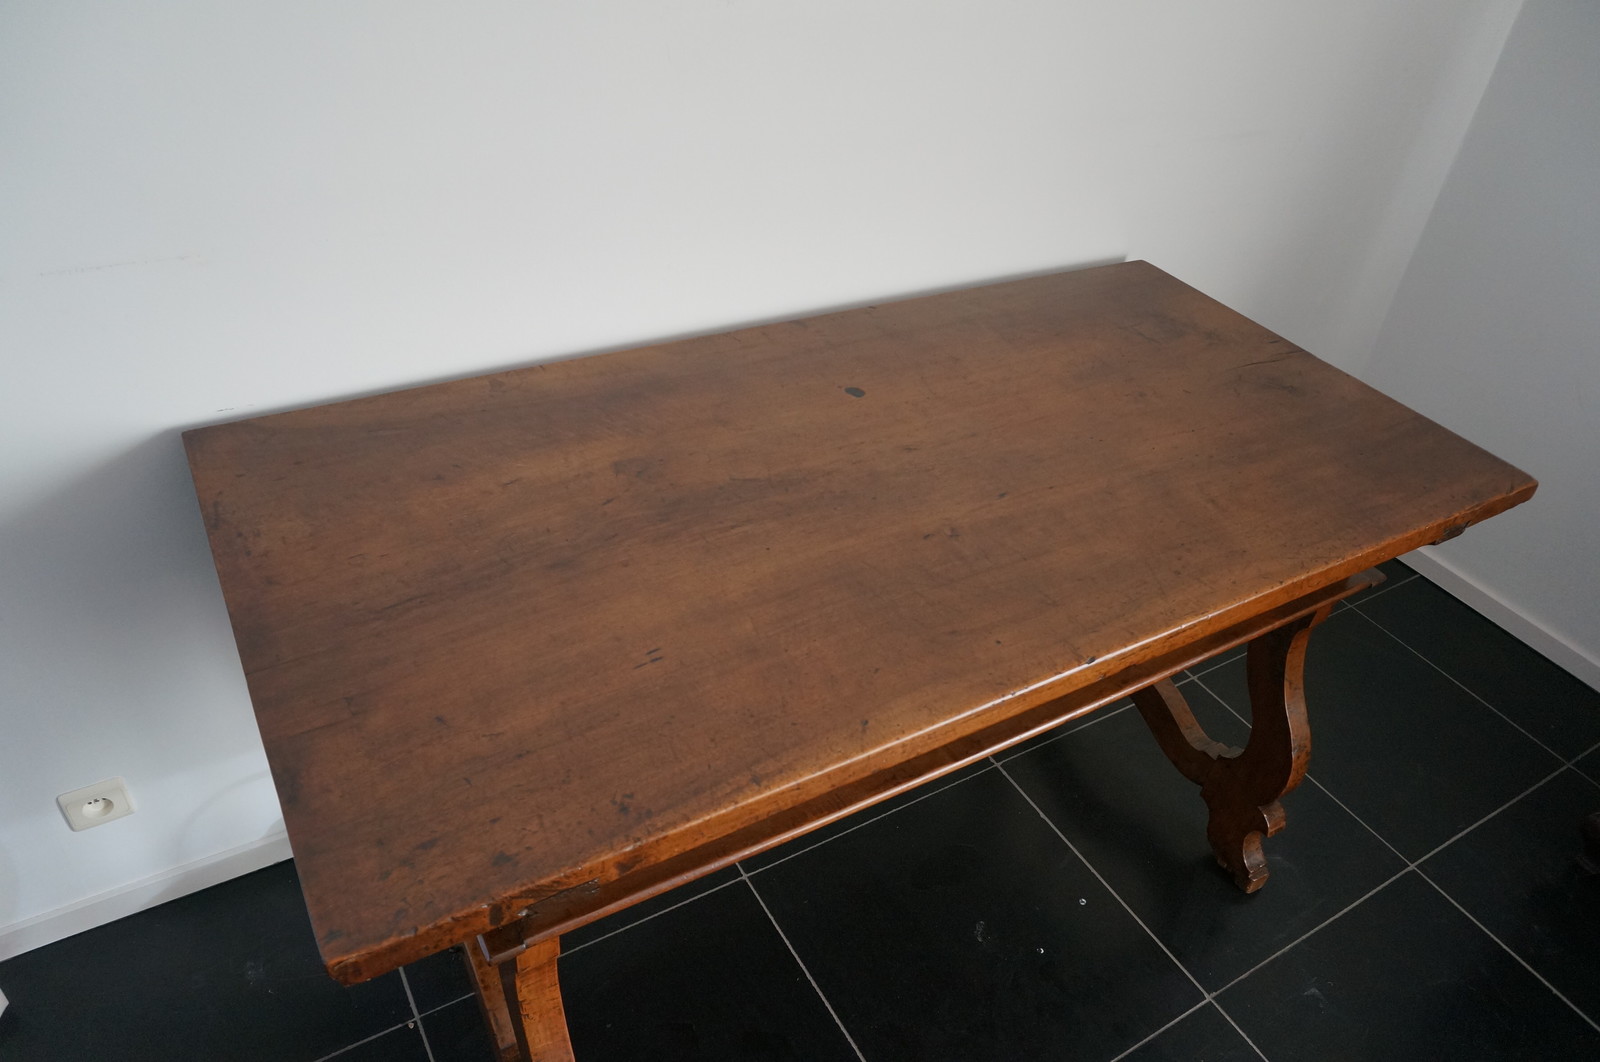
528,648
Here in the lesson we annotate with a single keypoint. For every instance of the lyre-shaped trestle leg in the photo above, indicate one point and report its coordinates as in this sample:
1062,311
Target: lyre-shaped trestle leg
1241,788
521,1000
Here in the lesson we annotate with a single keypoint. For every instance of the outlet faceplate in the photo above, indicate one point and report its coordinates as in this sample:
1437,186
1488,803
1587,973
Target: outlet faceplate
96,804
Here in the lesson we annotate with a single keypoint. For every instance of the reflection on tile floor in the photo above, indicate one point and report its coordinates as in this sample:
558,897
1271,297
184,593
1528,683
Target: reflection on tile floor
1057,902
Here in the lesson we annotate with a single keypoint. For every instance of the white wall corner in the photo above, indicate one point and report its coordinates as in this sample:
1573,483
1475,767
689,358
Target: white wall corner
1525,628
1447,115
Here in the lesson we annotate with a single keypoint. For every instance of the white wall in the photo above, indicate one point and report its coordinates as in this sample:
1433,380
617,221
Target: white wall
217,209
1495,331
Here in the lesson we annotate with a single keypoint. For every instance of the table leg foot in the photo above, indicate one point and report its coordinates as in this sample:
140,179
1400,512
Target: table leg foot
521,1000
1241,787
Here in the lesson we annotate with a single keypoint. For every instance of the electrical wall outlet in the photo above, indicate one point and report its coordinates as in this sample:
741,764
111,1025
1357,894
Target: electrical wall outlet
96,804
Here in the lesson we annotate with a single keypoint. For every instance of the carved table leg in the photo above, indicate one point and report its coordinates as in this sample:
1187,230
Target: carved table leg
521,1000
1241,788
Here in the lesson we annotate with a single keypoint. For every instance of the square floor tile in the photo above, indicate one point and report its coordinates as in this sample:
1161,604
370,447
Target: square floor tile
1411,753
1143,826
1404,976
961,927
1517,875
229,972
710,979
1539,696
1204,1036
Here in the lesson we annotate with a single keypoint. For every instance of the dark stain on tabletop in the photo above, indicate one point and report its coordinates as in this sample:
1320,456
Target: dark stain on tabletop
855,392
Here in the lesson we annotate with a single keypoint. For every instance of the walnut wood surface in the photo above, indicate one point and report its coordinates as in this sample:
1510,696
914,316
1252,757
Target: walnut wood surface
513,634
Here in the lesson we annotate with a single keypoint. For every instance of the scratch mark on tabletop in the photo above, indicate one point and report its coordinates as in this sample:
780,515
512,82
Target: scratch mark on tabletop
403,601
1267,361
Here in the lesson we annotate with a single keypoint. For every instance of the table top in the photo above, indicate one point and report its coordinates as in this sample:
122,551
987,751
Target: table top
509,634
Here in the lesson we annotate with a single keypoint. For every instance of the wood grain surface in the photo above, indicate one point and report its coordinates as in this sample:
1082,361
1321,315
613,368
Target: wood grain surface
513,634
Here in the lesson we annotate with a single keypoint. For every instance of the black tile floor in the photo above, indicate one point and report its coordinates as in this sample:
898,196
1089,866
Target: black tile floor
1055,902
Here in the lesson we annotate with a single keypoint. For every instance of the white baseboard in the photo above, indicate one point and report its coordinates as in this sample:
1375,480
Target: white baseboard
141,895
1457,583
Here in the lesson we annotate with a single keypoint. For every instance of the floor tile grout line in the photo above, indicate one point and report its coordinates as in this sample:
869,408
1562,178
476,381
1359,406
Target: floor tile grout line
1579,771
364,1040
1573,763
1104,883
416,1015
1222,701
1239,1029
565,951
936,789
1131,1048
1525,964
1365,825
1319,927
1214,663
1464,687
1546,780
441,1006
851,1040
